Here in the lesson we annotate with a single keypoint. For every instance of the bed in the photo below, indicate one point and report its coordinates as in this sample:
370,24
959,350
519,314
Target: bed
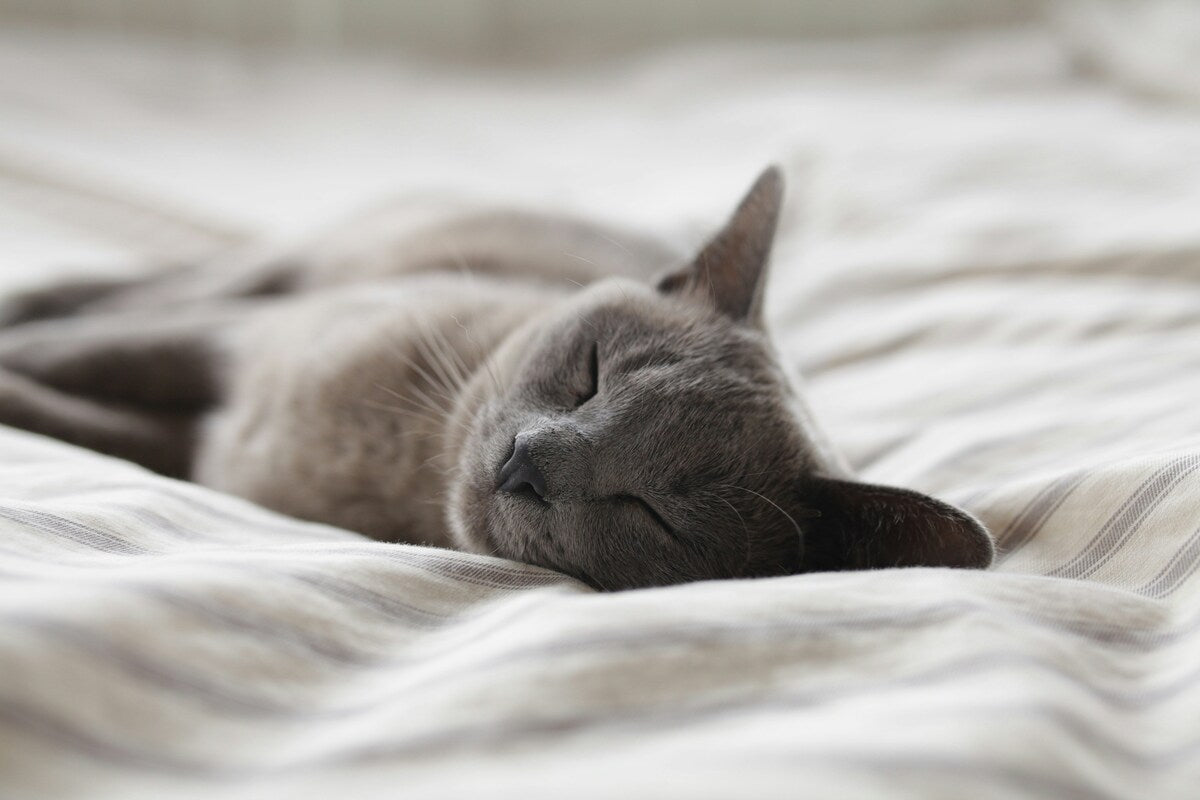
989,273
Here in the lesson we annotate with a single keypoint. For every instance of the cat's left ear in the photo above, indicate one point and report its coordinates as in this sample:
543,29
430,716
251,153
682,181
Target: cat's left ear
865,526
729,273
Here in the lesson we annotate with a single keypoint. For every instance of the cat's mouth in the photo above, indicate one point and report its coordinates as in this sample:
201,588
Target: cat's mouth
516,530
514,493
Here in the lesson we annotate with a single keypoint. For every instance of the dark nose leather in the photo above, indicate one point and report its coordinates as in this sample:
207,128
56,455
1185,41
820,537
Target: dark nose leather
519,473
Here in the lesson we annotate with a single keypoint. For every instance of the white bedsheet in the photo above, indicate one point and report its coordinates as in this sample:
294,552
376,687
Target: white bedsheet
990,273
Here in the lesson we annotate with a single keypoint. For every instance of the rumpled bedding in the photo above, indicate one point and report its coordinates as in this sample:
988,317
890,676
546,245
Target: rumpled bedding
989,273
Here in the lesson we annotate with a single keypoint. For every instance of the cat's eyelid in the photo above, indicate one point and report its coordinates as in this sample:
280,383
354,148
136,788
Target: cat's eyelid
594,366
593,376
654,515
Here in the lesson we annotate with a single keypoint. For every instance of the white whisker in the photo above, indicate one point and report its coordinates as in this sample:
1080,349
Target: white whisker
796,525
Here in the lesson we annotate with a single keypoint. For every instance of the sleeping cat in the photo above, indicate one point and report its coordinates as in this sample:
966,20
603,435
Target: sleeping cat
527,386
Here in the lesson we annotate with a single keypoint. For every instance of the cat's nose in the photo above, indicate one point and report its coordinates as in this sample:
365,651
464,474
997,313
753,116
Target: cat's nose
519,473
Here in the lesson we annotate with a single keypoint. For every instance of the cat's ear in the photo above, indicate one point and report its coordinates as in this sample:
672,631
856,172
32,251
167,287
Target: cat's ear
864,526
730,271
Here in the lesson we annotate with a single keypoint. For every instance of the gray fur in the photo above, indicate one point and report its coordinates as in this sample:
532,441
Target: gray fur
379,377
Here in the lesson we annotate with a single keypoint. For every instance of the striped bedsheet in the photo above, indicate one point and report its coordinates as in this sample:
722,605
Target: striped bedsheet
989,273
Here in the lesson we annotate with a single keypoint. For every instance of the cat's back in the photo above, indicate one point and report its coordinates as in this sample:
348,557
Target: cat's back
457,236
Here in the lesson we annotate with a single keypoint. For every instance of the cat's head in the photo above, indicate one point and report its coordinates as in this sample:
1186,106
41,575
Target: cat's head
643,435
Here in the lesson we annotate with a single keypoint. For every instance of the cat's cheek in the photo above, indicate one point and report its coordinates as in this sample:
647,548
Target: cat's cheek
468,518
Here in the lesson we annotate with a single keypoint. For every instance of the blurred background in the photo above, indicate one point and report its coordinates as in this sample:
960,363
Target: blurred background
133,131
510,29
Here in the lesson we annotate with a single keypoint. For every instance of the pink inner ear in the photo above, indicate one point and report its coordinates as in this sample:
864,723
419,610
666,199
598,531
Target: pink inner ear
675,282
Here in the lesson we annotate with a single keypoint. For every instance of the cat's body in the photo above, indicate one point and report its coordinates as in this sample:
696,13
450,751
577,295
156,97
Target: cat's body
386,336
493,381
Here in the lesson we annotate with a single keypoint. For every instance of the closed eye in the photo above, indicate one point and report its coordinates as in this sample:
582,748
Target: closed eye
651,512
593,376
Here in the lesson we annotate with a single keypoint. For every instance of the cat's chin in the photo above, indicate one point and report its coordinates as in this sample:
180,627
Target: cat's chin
494,524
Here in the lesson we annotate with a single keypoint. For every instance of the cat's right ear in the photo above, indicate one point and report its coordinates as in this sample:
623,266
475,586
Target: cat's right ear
730,271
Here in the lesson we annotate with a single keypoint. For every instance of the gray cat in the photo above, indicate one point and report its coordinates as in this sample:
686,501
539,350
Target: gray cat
497,382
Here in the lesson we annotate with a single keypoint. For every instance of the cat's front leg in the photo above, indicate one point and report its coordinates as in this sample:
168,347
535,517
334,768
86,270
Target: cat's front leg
158,440
164,360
